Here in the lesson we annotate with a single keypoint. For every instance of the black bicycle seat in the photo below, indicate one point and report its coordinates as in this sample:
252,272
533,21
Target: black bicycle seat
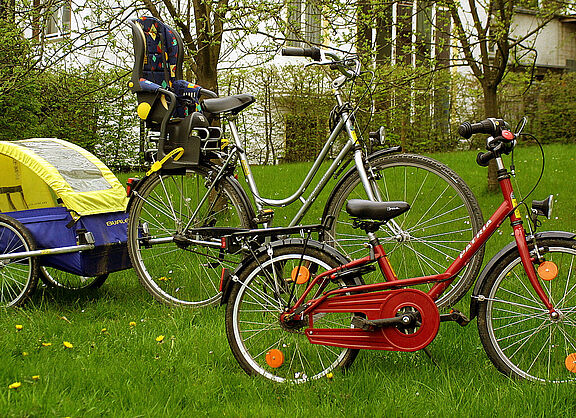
233,104
380,211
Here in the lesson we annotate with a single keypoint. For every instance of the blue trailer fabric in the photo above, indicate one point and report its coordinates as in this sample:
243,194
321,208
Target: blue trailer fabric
55,227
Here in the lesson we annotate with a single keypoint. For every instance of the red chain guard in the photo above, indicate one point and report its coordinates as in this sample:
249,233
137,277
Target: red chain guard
377,306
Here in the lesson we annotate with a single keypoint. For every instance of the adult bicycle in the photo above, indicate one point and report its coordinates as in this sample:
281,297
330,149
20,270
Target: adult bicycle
179,213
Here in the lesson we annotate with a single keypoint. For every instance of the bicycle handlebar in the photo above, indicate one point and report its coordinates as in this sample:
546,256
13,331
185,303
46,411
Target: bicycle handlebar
501,140
490,126
483,158
311,52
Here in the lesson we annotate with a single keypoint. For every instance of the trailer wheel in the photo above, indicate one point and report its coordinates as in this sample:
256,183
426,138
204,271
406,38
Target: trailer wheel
60,279
18,276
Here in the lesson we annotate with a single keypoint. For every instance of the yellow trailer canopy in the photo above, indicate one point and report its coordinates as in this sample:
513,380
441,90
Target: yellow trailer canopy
35,172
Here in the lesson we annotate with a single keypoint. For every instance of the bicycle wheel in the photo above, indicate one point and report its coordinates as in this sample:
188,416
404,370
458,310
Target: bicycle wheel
165,205
64,280
18,277
260,342
444,216
518,333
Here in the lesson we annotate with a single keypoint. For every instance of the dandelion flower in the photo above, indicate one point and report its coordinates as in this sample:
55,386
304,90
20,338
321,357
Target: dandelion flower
24,353
132,323
15,385
160,338
19,327
36,377
103,330
68,345
46,344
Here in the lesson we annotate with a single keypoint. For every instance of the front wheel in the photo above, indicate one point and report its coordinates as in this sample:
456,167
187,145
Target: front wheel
164,210
266,287
444,216
520,336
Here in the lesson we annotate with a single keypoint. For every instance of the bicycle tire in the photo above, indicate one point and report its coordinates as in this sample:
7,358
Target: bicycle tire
518,333
63,280
427,247
18,278
163,206
258,298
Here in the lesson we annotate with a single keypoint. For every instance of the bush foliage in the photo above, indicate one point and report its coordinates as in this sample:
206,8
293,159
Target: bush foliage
290,120
90,110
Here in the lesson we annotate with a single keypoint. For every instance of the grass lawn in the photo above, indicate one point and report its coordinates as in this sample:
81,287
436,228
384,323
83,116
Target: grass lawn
131,356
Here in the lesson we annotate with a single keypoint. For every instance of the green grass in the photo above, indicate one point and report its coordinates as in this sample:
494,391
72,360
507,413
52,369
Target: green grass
124,371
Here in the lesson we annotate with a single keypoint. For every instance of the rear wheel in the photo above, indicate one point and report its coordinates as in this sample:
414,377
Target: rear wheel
267,287
18,277
168,206
519,335
444,216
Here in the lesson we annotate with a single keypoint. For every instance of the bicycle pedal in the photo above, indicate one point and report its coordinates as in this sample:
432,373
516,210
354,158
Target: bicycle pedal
264,216
362,323
455,316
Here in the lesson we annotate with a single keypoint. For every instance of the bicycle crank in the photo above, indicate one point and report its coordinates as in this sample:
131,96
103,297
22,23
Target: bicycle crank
395,320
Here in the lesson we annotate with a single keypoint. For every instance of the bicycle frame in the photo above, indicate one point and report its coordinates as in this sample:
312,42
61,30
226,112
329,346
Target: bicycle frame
508,209
346,123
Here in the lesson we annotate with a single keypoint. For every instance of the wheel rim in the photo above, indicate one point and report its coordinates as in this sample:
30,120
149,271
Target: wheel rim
15,275
177,275
525,336
426,239
259,334
65,280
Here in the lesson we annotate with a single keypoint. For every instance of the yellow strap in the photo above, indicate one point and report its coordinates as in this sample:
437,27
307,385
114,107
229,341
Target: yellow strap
176,153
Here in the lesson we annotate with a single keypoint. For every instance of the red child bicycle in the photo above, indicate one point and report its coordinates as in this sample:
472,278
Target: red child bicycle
298,309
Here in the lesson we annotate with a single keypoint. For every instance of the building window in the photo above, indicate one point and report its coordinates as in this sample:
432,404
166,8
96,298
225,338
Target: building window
412,33
443,31
58,20
303,22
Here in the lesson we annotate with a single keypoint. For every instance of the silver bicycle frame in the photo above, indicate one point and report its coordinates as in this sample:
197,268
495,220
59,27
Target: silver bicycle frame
346,123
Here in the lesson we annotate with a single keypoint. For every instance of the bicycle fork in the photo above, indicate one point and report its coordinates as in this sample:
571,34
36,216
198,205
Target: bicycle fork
520,236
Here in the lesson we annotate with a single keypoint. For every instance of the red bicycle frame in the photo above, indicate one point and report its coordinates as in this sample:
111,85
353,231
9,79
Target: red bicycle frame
508,209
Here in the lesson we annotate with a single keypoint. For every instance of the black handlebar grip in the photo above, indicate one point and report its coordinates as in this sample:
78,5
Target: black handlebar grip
483,158
490,126
311,52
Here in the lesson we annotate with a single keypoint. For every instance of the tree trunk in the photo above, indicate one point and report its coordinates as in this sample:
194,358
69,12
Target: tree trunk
206,75
491,110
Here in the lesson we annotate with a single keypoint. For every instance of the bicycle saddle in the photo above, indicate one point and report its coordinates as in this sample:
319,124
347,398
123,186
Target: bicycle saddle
233,104
380,211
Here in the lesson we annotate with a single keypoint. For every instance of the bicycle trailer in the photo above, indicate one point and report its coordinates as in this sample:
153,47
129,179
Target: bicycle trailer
71,204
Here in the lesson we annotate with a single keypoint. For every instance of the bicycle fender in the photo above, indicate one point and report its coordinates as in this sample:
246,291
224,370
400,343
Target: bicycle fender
504,252
262,251
352,171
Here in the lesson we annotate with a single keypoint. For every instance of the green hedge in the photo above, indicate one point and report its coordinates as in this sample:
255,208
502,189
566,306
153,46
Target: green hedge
89,109
289,122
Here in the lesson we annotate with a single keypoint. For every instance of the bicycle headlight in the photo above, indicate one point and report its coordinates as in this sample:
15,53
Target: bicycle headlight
543,207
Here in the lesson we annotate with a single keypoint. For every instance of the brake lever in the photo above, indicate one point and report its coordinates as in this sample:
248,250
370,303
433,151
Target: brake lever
309,64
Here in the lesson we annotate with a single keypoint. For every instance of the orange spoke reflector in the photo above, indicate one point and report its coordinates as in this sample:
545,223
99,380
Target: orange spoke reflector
547,270
274,358
571,362
300,274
